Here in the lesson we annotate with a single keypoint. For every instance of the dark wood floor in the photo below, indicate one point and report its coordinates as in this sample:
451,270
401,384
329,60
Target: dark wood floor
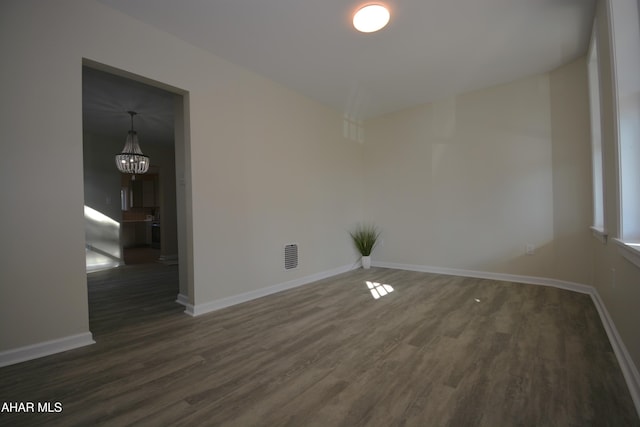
435,351
140,255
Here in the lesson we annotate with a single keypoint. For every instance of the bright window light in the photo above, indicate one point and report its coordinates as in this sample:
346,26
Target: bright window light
96,216
596,137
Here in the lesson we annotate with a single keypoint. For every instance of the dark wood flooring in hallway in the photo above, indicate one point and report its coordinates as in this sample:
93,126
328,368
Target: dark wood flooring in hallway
431,350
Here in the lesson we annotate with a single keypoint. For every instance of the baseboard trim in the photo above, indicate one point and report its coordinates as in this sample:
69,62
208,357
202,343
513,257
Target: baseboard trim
46,348
168,259
629,369
182,299
199,309
530,280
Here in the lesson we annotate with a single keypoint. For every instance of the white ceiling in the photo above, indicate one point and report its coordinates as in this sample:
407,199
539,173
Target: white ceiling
430,49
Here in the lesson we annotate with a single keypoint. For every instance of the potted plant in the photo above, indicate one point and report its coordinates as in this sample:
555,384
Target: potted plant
365,237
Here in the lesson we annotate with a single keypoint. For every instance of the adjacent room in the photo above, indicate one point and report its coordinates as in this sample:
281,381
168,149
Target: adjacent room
210,275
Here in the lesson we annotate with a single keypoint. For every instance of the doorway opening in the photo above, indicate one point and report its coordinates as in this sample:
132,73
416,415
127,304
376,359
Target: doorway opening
135,225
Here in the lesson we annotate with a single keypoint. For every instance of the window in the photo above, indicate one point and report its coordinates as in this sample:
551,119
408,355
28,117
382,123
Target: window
353,129
625,35
596,139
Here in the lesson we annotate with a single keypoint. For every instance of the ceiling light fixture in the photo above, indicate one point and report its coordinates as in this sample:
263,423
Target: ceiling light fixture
131,160
371,18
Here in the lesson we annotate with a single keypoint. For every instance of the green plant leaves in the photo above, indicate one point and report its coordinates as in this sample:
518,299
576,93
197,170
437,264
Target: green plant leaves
365,237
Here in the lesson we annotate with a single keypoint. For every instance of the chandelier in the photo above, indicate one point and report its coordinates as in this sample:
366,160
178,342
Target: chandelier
131,160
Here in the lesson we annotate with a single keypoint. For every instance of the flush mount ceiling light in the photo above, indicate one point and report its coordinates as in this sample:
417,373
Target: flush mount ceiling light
131,160
371,18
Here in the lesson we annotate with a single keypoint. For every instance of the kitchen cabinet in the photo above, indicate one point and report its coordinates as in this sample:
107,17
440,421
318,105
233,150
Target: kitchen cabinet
149,193
144,191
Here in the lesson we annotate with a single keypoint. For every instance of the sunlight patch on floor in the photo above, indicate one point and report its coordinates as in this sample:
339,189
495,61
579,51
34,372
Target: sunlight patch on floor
379,290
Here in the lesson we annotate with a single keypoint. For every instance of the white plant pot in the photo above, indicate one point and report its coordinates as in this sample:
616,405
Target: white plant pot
366,262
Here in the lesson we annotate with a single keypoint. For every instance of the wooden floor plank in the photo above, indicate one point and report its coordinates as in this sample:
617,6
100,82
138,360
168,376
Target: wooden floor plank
436,350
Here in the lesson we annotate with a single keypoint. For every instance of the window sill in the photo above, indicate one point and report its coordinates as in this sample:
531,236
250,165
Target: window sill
599,233
631,251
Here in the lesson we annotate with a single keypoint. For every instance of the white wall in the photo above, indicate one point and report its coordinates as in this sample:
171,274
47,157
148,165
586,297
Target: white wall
285,175
571,164
467,182
268,166
43,292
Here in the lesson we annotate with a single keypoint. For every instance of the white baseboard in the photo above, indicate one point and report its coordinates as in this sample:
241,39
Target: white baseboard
199,309
168,259
182,299
530,280
629,369
46,348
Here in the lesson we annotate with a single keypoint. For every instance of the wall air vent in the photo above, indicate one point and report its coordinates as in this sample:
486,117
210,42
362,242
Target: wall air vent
290,256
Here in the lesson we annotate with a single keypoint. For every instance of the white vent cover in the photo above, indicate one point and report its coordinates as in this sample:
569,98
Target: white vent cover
290,256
